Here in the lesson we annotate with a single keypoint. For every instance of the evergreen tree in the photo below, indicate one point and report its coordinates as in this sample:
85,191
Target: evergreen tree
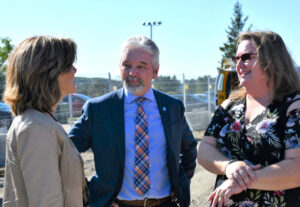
237,25
4,52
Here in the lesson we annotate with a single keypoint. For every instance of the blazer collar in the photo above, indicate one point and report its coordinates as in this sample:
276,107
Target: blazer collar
163,107
130,97
117,109
161,102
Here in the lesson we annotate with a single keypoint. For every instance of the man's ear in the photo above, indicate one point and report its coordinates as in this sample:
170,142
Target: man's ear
155,73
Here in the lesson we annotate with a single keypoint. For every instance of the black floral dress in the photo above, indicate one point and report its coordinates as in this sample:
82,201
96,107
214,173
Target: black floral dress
262,141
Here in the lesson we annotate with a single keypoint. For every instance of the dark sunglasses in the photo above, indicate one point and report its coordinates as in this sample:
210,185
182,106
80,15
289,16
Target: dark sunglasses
243,57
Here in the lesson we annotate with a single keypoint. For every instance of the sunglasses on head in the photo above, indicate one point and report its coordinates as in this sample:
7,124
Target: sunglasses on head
243,57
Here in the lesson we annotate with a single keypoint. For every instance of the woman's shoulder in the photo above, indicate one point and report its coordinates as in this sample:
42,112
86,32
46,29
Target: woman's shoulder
37,116
32,119
35,128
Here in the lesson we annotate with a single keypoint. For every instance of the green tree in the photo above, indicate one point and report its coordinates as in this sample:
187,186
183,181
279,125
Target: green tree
236,27
5,48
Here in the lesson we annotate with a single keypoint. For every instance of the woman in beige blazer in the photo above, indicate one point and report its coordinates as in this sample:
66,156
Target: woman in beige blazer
42,167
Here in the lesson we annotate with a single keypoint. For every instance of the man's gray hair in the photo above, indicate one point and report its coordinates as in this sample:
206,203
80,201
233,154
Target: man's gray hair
143,43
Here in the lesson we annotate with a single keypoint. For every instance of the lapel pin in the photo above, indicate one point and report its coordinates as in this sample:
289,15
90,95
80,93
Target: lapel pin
164,108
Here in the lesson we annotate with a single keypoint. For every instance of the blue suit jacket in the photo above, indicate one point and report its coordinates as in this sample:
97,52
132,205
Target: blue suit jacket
101,128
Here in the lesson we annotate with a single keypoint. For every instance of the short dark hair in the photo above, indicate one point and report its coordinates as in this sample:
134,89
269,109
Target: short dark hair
33,70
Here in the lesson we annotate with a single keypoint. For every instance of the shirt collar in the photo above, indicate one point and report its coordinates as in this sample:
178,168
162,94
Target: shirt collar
130,97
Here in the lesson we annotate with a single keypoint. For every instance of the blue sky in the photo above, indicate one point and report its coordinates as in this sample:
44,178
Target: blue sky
189,38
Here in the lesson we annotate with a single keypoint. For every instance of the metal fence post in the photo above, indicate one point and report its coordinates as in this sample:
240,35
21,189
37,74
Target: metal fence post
109,83
184,93
208,96
70,108
3,133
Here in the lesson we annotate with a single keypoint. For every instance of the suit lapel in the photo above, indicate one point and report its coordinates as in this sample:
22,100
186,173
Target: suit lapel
117,109
163,110
163,104
162,107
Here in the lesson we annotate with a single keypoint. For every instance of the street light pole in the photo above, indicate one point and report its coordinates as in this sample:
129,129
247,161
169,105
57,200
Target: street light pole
151,31
151,24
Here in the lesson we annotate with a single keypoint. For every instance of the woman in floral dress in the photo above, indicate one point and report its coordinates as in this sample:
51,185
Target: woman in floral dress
253,141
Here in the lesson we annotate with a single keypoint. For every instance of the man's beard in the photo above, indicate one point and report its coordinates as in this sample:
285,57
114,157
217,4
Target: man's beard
135,89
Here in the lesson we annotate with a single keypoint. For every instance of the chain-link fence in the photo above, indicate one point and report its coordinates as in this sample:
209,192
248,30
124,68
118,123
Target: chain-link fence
197,94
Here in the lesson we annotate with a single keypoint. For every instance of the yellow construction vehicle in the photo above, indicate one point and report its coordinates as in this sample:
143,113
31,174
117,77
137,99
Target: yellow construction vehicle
227,81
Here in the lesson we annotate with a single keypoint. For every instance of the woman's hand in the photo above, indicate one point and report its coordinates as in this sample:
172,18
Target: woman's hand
221,194
242,173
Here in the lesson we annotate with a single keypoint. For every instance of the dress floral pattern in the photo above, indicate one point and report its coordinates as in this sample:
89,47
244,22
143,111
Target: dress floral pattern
262,141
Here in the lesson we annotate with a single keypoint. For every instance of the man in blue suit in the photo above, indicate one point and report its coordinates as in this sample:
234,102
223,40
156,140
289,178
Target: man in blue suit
156,173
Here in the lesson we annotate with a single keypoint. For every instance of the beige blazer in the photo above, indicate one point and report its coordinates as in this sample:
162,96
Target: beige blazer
43,167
